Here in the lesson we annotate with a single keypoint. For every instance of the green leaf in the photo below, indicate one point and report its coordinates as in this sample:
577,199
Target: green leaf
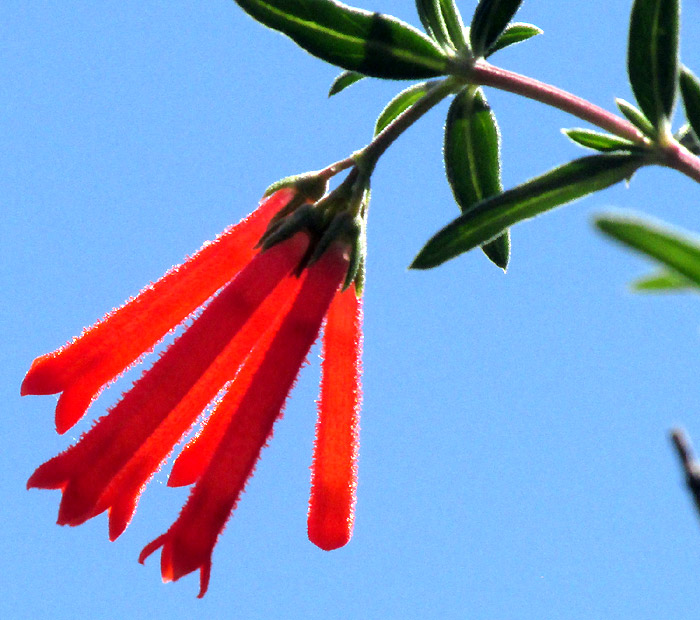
652,57
599,141
473,160
441,19
498,250
675,250
404,100
514,33
490,20
345,79
690,90
491,217
472,149
636,117
663,281
369,43
453,23
430,14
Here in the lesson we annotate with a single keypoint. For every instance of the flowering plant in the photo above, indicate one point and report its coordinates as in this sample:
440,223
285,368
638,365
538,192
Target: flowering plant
268,284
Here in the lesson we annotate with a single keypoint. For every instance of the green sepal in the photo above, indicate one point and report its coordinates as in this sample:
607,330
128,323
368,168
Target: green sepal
636,117
404,100
304,217
604,142
489,218
673,249
341,227
310,185
490,20
373,44
514,33
359,278
358,258
345,79
473,160
663,281
652,57
690,91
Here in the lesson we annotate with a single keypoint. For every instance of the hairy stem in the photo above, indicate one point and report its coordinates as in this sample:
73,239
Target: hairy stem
367,157
487,75
676,156
671,154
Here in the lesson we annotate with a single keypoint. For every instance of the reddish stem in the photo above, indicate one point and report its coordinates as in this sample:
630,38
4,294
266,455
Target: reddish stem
487,75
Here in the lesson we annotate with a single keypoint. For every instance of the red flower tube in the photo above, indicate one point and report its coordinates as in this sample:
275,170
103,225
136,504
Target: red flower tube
84,471
81,368
188,544
334,470
246,347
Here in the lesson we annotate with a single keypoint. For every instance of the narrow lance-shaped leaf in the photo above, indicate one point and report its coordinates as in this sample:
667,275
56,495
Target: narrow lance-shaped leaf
690,90
672,249
430,15
491,217
345,79
636,117
514,33
652,57
404,100
369,43
599,141
663,281
490,19
473,161
453,23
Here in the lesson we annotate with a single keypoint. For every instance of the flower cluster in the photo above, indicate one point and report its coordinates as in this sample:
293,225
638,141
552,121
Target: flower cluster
248,343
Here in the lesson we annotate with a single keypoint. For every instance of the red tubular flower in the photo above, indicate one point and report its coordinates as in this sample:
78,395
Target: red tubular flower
188,544
247,347
334,470
81,368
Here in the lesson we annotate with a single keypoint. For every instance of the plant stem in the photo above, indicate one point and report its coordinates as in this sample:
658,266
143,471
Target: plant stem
367,157
691,467
676,156
337,167
673,154
487,75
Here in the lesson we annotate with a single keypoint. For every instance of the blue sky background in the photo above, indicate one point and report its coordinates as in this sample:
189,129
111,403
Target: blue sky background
515,460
